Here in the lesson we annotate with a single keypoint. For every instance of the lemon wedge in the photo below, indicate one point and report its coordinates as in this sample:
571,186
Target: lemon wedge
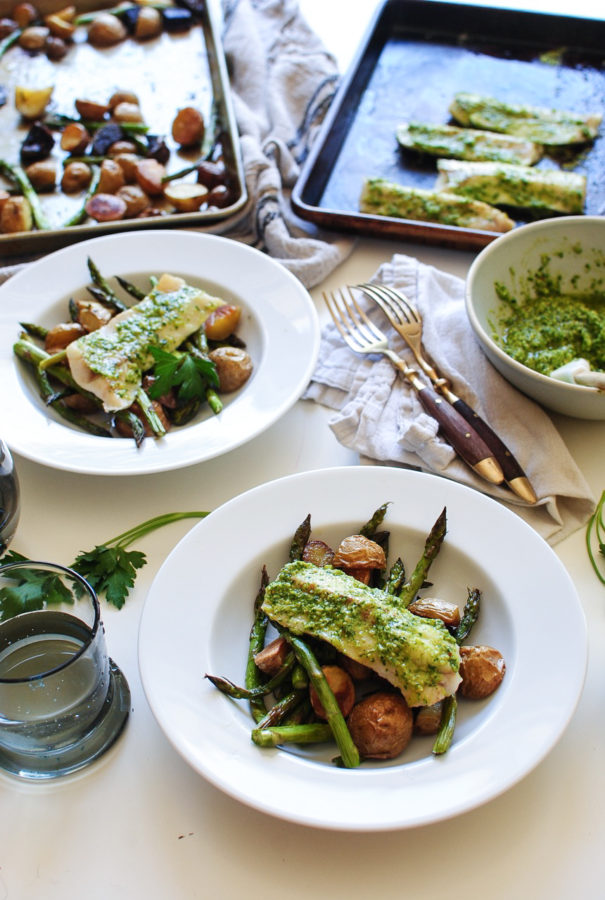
31,102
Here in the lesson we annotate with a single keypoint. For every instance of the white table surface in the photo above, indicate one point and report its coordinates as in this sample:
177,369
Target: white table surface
141,824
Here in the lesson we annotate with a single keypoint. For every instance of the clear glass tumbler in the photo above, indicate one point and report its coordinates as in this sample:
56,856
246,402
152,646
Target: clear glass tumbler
63,701
9,498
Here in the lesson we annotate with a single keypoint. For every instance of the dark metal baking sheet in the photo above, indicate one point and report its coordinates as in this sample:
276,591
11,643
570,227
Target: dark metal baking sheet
167,73
415,56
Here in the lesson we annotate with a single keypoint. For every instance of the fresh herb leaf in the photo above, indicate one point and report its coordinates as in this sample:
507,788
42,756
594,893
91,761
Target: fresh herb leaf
11,556
32,589
110,571
188,375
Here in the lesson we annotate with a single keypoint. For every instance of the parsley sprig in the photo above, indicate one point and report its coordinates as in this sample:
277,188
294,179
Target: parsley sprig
109,568
189,375
595,529
31,589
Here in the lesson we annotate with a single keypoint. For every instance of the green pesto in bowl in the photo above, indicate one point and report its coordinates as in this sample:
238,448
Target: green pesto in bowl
544,325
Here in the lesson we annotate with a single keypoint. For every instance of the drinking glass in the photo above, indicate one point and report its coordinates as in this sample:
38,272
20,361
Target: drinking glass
9,497
63,701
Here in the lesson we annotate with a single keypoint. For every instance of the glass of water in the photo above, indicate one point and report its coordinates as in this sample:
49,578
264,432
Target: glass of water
63,701
9,497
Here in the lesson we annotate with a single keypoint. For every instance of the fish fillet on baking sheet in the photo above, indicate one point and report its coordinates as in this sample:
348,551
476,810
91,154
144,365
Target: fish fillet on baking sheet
450,141
552,127
110,361
510,185
416,655
381,197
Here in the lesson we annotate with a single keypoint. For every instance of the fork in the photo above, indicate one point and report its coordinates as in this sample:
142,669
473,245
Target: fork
407,322
362,336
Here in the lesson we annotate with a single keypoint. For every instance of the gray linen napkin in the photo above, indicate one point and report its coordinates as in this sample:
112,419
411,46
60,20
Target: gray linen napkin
282,81
379,416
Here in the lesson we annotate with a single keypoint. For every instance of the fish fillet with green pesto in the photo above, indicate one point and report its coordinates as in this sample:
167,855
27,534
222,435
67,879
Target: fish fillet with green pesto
381,197
451,141
110,361
500,184
552,127
416,655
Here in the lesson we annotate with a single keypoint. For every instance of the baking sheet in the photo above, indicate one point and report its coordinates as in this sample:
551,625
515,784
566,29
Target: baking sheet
167,73
415,56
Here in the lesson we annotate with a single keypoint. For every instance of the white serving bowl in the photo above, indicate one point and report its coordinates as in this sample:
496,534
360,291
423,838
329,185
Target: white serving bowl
575,246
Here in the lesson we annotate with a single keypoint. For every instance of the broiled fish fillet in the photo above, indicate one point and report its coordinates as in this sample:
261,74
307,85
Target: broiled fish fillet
110,361
386,198
416,655
545,126
501,184
451,141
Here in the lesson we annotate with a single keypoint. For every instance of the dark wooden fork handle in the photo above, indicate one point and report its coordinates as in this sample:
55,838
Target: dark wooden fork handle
465,440
508,463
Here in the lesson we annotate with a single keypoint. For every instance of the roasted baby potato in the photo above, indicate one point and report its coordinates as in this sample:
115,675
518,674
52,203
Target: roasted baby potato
106,208
222,322
272,657
92,315
482,669
428,719
233,365
381,725
135,198
75,138
16,216
188,127
341,685
318,553
149,174
435,608
358,556
59,337
106,30
42,174
76,177
111,178
186,196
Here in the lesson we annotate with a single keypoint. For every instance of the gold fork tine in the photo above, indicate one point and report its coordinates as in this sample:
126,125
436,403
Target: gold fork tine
393,303
383,301
402,303
362,336
410,329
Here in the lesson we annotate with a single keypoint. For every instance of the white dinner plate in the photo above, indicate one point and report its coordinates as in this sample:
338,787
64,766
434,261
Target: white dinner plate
279,325
197,617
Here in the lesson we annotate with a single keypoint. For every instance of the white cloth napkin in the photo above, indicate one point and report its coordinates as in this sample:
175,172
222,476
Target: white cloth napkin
282,81
379,415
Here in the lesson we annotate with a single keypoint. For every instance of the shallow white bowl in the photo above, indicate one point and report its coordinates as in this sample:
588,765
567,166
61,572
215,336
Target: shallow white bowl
190,627
575,246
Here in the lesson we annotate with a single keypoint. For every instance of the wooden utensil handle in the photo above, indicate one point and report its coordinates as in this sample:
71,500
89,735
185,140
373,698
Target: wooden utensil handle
508,463
460,433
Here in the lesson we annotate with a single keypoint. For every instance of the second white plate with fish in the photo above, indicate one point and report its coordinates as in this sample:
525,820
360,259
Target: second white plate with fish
279,326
